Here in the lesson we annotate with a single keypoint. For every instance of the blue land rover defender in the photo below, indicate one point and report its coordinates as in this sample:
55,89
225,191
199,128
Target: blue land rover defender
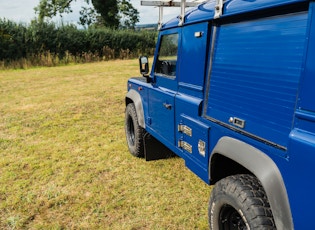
232,92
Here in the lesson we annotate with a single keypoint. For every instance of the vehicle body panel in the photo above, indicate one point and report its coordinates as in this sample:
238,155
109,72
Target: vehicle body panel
242,99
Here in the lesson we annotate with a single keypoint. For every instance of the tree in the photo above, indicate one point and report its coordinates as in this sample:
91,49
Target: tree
129,15
88,16
111,13
50,8
108,9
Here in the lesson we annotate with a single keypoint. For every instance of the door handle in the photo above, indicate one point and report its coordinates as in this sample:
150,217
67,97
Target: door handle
168,106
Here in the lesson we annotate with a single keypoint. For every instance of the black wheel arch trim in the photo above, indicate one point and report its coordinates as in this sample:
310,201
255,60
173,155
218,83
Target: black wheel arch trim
135,97
264,168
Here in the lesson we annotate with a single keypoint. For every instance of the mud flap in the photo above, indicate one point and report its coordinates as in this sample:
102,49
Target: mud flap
154,149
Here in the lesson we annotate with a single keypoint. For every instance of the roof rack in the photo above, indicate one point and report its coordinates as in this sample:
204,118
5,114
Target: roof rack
182,4
218,8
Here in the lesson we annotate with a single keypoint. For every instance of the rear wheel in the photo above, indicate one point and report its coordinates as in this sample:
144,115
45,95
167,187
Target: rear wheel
134,132
239,202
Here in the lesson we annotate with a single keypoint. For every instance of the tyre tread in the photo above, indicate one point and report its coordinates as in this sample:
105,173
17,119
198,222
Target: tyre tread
137,149
252,197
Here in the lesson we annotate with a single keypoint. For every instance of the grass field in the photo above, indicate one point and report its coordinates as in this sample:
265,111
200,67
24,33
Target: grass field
64,163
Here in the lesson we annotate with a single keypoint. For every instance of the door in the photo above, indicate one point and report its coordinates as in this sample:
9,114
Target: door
163,91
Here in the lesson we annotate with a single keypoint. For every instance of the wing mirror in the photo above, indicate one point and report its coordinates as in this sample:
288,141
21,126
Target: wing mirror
144,65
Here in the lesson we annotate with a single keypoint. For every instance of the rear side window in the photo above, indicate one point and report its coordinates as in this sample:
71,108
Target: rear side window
167,57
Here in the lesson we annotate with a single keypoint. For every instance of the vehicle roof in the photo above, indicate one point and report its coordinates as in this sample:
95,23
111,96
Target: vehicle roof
205,11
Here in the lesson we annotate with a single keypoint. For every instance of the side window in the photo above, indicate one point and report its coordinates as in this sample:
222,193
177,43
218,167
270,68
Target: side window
167,57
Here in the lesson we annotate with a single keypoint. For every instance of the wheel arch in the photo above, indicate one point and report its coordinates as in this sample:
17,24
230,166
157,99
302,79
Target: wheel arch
134,97
245,158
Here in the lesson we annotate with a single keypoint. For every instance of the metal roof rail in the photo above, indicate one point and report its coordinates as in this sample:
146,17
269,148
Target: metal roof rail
218,8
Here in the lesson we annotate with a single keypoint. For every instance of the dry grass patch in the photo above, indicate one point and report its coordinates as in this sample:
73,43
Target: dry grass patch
64,163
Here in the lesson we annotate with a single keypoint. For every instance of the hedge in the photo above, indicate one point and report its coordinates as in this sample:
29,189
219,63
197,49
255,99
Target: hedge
33,44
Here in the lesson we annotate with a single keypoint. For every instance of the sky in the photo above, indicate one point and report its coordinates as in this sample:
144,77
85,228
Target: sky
22,11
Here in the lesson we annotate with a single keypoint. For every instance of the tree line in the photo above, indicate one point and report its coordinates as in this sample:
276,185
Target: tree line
107,13
44,43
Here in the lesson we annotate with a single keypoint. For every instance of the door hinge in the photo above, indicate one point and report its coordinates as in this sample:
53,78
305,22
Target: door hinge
184,145
185,129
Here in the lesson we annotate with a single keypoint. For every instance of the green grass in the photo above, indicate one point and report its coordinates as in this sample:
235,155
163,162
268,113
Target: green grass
64,163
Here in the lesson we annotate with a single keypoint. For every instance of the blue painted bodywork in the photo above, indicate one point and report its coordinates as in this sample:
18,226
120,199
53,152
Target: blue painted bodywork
250,76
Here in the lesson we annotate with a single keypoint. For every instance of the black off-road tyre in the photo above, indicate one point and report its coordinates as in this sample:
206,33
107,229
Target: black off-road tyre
239,202
134,132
